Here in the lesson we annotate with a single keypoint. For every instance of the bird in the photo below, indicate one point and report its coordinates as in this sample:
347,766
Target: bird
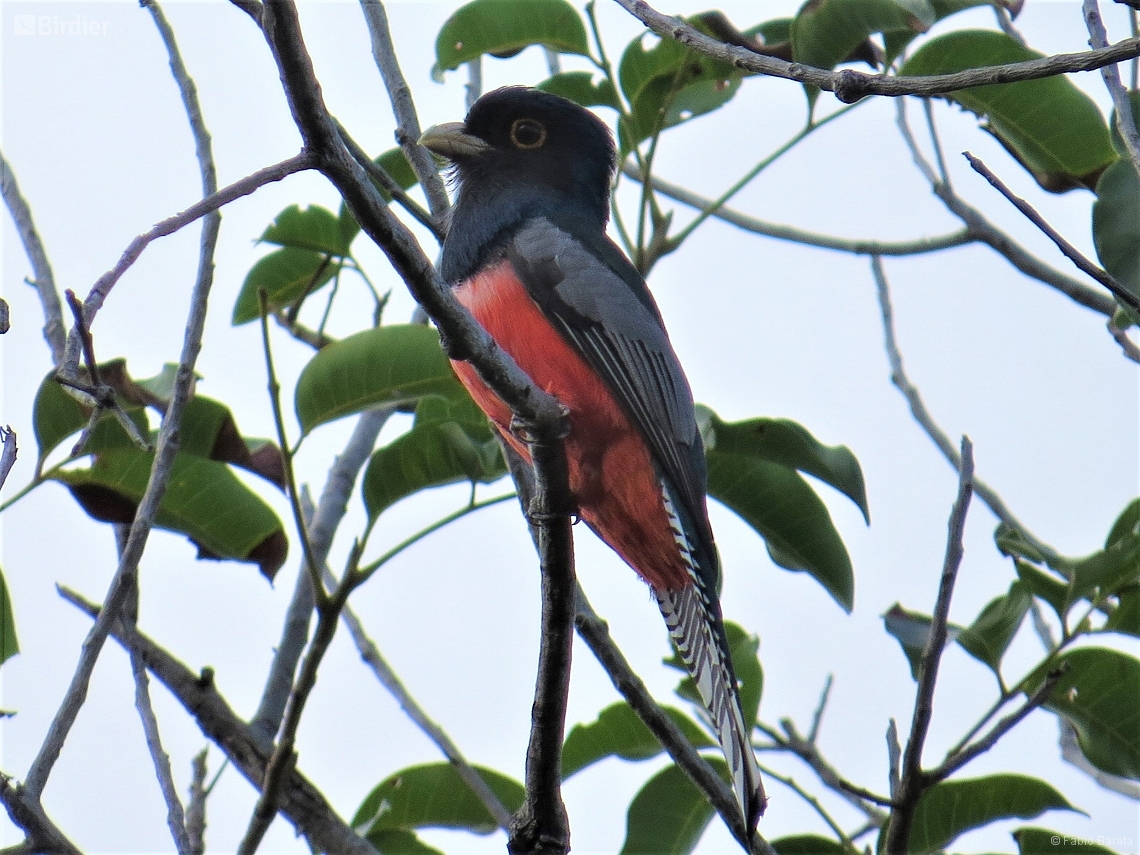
527,254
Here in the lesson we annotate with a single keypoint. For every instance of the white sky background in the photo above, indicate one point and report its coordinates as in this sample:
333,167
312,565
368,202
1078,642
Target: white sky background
95,133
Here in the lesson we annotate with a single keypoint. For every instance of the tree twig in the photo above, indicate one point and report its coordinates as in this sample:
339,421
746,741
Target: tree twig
1071,252
817,717
1125,121
914,782
8,451
26,812
301,802
779,231
981,229
849,86
196,806
407,122
43,280
922,416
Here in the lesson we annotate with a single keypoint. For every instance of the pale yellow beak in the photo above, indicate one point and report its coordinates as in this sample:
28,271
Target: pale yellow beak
452,141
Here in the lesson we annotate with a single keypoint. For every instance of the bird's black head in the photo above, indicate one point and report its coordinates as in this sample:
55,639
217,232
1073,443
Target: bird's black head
521,153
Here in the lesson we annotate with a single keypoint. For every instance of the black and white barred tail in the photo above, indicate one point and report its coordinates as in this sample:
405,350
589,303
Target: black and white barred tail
693,617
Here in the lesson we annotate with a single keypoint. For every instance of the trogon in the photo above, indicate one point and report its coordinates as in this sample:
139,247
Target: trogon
527,254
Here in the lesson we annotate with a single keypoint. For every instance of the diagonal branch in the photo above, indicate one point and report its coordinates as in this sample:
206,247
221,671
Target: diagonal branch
301,802
849,86
1125,121
914,782
25,811
43,279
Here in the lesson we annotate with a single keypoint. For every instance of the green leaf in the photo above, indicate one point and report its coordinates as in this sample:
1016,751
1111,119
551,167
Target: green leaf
580,87
952,808
1043,585
1039,841
668,815
1023,115
1125,615
208,430
56,415
1116,224
789,444
989,636
314,228
911,630
394,364
9,644
618,732
787,513
742,647
1127,523
433,796
388,842
807,844
669,84
1099,692
161,385
399,170
1105,572
449,443
204,500
504,27
828,32
286,275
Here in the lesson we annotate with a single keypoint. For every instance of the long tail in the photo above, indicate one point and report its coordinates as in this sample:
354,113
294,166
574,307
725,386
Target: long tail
693,617
693,623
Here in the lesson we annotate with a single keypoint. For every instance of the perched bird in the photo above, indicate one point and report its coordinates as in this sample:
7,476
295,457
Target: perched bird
527,254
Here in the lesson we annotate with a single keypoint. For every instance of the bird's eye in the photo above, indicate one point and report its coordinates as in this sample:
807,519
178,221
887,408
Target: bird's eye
527,133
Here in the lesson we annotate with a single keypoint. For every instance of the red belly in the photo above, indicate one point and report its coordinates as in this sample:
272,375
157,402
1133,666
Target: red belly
612,475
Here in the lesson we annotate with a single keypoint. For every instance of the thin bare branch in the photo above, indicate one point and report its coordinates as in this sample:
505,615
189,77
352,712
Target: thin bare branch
849,86
474,87
26,813
43,280
859,797
301,802
922,415
1084,264
8,451
175,815
403,107
914,782
817,717
1125,120
982,230
1130,349
196,806
795,235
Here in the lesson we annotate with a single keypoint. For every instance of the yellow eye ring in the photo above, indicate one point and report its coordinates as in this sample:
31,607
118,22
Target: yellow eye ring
527,133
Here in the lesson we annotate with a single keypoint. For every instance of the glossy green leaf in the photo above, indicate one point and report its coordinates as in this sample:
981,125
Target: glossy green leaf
618,732
1099,692
989,636
668,84
668,815
1044,585
1107,571
314,228
1116,223
286,275
1127,523
952,808
807,844
742,647
398,842
581,88
787,513
433,796
399,170
912,630
1125,615
161,385
9,644
204,500
208,430
1023,115
1039,841
789,444
56,415
394,364
449,443
827,32
505,27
